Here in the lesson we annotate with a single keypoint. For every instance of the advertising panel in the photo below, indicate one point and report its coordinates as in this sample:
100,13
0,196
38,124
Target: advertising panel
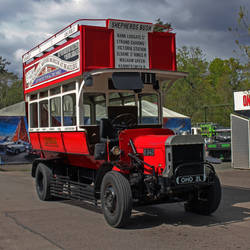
60,63
14,141
178,125
242,100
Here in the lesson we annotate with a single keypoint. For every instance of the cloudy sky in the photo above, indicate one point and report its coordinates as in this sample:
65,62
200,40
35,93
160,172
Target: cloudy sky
203,23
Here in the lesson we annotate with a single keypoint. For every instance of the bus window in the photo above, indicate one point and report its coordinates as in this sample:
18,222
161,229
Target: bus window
55,112
87,116
69,87
69,110
148,112
100,107
121,99
115,99
94,105
33,115
33,97
44,94
55,91
44,118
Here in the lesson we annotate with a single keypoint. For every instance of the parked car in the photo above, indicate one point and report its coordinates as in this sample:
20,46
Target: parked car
5,142
16,148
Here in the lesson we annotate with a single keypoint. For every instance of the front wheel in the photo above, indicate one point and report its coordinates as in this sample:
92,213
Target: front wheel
208,201
116,198
43,176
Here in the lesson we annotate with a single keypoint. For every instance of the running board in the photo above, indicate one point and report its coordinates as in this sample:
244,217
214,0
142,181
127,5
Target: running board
63,187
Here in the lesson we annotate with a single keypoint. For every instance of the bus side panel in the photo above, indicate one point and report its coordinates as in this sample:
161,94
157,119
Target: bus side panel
97,49
162,51
60,142
52,141
85,161
75,142
35,142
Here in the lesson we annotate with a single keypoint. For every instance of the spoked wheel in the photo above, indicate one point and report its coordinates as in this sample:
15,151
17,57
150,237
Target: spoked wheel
116,198
208,201
43,176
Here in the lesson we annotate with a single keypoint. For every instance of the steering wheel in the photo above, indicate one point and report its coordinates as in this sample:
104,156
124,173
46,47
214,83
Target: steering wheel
126,120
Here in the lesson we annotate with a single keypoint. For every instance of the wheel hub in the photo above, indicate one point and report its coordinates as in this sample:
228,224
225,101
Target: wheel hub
110,199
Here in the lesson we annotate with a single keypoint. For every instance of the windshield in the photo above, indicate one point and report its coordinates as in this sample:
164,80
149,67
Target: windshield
149,109
98,105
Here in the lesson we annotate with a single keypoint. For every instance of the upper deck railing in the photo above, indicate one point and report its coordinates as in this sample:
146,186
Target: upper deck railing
80,48
63,34
56,38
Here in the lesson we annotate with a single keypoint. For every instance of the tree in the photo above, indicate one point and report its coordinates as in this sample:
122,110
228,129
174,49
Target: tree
15,92
208,86
162,27
11,90
186,94
3,64
224,77
242,36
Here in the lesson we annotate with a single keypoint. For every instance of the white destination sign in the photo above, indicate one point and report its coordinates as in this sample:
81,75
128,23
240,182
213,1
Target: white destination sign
131,44
242,100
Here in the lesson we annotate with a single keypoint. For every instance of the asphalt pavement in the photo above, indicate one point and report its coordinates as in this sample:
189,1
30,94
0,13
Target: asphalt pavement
28,223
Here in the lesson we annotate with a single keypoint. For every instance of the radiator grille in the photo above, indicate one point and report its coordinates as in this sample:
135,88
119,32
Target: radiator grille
186,154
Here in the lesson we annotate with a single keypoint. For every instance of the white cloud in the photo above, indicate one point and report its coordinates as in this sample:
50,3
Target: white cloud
18,54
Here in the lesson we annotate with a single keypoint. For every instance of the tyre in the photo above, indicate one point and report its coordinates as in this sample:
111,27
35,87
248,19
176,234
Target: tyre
43,176
209,199
116,199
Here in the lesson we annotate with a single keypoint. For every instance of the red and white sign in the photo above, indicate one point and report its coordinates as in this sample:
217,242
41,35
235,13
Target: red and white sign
242,100
58,64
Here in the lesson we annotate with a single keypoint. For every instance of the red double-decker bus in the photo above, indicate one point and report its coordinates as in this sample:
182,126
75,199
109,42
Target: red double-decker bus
94,105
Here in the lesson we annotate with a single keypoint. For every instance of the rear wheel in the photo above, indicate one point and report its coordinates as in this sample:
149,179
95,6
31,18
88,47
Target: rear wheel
208,201
43,176
116,198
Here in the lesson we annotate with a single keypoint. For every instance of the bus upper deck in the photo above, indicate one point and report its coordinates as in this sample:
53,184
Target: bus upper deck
78,49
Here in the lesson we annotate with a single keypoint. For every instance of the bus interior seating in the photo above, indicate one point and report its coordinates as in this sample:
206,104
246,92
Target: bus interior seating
93,136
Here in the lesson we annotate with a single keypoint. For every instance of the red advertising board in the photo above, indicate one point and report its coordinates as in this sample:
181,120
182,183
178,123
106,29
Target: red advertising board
242,100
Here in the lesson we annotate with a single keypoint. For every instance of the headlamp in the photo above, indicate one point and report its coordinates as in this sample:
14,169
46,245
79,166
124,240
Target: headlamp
116,151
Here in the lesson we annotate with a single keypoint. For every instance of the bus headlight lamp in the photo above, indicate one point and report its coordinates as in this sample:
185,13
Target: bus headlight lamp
116,151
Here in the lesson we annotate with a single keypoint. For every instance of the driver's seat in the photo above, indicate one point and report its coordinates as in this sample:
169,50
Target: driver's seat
107,131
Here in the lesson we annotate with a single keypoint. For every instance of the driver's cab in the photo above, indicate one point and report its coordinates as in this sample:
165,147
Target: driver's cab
111,102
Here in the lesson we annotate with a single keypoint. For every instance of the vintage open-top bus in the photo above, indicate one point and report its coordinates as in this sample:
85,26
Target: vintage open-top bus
88,91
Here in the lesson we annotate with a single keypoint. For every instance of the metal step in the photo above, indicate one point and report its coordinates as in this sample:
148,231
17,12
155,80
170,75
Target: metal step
63,187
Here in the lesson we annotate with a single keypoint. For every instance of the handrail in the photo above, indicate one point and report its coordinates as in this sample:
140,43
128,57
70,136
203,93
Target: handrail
26,57
60,31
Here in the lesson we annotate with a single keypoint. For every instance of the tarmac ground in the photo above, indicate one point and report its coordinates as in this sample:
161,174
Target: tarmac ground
28,223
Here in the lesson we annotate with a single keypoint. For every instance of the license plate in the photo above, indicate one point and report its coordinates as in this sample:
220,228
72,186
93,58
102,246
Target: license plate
189,179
